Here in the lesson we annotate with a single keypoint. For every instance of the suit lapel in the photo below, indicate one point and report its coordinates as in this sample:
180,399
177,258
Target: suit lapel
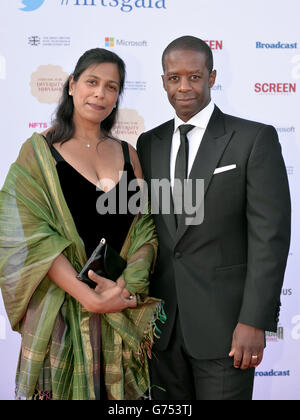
160,158
209,153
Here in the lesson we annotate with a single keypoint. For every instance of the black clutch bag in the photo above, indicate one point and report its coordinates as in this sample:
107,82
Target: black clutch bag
105,262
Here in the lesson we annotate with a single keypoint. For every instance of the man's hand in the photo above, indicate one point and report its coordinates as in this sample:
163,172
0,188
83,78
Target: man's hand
247,346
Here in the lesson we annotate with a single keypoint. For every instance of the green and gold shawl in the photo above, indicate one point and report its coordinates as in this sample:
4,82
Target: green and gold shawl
61,342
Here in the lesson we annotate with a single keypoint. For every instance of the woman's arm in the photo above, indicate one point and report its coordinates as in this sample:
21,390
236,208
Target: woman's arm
135,162
110,299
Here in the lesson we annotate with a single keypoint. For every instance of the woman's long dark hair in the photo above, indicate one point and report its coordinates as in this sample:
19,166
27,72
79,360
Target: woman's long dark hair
63,127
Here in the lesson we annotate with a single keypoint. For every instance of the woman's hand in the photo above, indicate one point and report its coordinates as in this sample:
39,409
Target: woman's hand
105,284
109,296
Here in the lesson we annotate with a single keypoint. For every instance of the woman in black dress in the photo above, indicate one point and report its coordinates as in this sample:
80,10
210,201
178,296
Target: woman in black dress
50,223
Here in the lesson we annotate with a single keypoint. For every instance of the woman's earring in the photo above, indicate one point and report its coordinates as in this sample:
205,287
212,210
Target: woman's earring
70,93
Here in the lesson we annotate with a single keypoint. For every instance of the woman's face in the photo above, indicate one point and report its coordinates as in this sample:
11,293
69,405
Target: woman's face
95,93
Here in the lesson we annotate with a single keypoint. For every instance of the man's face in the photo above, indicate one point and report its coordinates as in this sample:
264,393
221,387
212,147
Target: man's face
187,82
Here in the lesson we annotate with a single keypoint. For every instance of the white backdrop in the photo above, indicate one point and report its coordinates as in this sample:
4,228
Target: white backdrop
256,46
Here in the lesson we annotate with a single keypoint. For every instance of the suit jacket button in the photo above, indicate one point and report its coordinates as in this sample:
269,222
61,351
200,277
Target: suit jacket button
178,255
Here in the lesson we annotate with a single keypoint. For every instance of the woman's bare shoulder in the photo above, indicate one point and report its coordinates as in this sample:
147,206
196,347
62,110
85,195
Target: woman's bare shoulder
44,133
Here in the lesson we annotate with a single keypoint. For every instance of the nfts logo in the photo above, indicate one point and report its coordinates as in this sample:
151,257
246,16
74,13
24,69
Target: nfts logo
31,5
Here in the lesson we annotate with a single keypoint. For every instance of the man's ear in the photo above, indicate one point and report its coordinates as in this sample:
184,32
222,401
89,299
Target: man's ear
164,81
212,78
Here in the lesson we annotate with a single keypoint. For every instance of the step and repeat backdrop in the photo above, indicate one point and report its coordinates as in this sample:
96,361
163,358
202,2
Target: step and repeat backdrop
256,47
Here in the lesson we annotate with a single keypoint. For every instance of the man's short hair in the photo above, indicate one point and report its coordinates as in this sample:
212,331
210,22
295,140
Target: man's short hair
193,44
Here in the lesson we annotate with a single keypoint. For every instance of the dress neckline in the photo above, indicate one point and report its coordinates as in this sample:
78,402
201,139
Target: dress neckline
90,182
59,158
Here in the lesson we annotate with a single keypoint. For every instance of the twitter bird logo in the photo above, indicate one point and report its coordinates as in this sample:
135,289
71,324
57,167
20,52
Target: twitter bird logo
31,5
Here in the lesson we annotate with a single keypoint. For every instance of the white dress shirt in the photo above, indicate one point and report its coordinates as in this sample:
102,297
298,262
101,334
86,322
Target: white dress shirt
194,136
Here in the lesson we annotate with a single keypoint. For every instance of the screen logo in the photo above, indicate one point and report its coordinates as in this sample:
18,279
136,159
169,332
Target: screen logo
275,88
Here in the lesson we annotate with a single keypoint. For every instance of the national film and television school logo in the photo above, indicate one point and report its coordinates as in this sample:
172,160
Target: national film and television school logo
34,40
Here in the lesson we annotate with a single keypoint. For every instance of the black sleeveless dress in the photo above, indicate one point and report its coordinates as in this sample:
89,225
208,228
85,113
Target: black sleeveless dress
82,197
84,200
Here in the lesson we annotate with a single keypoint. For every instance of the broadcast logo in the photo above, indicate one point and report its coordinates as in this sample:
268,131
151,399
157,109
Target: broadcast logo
31,5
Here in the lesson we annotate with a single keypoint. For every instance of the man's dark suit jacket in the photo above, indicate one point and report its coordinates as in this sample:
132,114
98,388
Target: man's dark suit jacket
229,268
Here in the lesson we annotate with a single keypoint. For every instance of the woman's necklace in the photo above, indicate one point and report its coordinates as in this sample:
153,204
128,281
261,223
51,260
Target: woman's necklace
89,145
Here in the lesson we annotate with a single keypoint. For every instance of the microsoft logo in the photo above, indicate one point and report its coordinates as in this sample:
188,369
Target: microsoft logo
112,42
109,42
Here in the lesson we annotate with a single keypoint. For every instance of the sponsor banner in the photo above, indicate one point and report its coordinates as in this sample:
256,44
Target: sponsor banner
39,126
282,88
214,44
49,41
272,372
46,83
286,130
129,125
140,85
275,337
279,45
111,42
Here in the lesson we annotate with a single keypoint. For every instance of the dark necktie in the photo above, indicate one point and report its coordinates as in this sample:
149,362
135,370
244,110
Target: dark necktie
181,167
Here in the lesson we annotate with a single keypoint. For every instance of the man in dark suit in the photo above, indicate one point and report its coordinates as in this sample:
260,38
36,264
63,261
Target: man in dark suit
220,278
